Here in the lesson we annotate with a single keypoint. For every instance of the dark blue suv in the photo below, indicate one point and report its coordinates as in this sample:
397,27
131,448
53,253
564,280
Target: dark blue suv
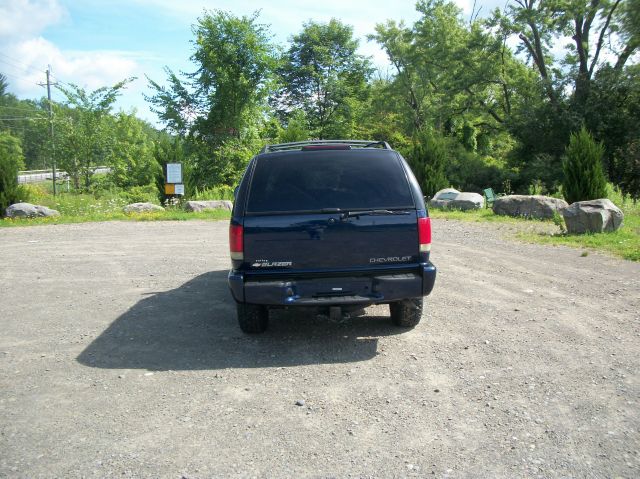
333,225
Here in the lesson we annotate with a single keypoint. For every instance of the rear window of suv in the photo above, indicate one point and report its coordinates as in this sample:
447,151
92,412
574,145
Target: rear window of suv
316,180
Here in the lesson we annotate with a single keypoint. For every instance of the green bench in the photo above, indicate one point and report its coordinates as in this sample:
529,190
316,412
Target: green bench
489,197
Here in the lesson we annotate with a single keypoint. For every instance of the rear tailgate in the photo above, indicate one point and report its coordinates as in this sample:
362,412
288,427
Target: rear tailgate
329,241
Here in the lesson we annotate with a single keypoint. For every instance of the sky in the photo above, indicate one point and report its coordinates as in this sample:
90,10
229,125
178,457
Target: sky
95,43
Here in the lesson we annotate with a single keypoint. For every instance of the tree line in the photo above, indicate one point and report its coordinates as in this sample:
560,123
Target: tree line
471,103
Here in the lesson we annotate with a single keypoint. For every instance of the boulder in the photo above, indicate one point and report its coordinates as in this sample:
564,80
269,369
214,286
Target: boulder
442,198
593,216
44,211
195,206
466,201
529,206
27,210
142,208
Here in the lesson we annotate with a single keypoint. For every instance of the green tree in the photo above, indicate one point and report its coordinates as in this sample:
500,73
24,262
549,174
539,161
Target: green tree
84,130
11,161
628,160
219,108
234,59
4,86
428,161
591,24
131,156
322,75
583,173
297,128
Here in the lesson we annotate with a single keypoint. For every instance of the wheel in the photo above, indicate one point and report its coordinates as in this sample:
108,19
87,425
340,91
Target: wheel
252,318
406,313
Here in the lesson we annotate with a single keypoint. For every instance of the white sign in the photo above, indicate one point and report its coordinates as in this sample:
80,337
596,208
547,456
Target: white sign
179,189
174,172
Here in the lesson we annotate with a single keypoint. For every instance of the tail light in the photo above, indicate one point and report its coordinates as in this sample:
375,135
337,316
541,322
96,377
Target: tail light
236,241
424,234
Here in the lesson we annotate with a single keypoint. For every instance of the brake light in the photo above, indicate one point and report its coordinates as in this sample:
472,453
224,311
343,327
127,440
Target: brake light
424,234
326,147
236,241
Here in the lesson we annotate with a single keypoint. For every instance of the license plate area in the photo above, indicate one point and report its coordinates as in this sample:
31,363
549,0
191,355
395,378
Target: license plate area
334,287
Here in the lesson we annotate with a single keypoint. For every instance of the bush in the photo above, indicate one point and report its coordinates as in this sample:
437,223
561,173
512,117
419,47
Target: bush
222,192
11,161
628,162
583,172
428,159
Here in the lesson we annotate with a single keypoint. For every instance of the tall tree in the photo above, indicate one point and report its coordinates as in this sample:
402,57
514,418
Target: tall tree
84,129
322,75
592,25
451,71
234,59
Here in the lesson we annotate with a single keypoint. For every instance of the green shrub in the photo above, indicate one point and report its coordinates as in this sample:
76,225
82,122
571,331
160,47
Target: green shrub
583,172
141,194
222,192
428,159
628,163
11,161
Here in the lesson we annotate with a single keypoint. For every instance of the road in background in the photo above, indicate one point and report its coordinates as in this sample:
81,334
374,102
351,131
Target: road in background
36,176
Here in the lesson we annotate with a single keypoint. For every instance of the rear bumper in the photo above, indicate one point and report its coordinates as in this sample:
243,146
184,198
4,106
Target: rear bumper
350,290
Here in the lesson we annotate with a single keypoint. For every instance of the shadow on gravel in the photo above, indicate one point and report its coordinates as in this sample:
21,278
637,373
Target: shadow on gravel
194,327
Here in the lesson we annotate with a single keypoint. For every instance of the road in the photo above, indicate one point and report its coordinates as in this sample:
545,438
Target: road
37,176
120,357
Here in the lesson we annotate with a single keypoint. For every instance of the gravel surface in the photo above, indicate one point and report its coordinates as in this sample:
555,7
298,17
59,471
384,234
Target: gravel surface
120,356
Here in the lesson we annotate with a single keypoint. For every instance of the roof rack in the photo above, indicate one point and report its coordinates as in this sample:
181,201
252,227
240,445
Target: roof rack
298,145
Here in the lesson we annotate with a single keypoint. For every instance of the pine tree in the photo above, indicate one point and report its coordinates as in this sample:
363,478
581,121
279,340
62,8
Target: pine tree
583,172
11,161
429,160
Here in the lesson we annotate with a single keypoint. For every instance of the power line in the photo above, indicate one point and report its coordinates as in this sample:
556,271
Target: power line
18,64
21,78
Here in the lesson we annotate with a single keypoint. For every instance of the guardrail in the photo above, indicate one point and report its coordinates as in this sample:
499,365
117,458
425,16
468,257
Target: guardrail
35,176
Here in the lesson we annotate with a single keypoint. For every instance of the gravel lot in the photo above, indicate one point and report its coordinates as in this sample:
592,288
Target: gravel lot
120,357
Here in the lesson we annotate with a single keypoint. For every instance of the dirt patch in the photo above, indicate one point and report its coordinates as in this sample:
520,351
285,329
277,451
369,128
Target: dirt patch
120,356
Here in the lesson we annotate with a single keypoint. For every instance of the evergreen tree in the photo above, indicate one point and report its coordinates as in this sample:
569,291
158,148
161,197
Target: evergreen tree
428,160
11,161
583,172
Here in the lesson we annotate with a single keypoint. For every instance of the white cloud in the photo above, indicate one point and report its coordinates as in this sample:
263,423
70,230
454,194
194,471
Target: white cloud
25,53
27,60
25,18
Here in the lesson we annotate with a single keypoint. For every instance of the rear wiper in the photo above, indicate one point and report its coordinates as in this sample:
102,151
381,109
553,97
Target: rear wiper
351,214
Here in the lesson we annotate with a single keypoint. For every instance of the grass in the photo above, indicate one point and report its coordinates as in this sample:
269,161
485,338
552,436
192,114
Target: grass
99,206
624,243
170,214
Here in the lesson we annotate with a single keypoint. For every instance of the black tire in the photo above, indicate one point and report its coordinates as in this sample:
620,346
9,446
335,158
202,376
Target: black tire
253,318
406,313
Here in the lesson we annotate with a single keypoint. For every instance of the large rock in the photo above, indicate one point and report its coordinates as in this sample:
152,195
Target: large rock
594,216
466,201
442,198
27,210
142,208
534,206
208,205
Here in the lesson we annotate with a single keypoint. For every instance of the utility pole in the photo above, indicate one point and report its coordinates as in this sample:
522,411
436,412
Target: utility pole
53,156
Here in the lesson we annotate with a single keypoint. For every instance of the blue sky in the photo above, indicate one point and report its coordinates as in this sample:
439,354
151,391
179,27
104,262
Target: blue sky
96,43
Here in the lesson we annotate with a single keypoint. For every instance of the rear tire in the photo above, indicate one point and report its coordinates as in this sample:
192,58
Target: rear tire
406,313
253,318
